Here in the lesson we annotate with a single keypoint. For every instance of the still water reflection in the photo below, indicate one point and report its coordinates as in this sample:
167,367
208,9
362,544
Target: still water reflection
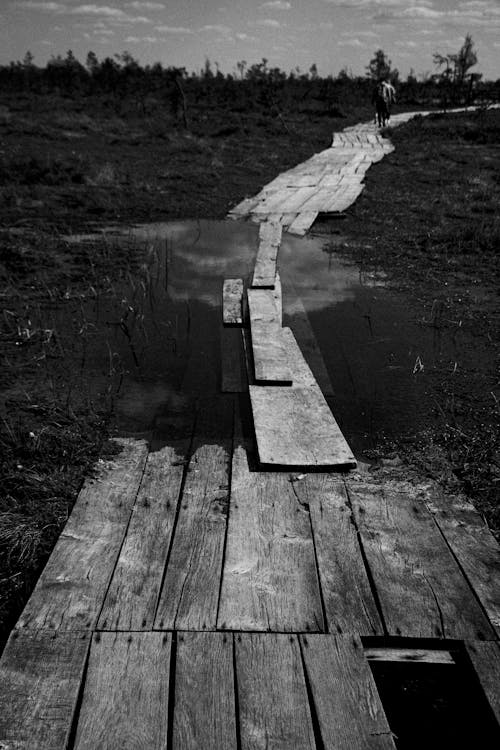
161,341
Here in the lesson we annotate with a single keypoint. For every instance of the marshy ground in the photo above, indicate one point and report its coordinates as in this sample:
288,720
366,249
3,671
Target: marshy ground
428,220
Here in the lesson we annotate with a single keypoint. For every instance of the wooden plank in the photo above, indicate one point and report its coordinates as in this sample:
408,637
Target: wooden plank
285,200
296,317
265,266
204,712
125,701
278,299
40,676
347,596
294,427
485,658
72,587
348,707
274,709
269,354
190,592
232,300
233,372
420,587
300,371
409,655
133,594
269,580
270,233
303,222
474,546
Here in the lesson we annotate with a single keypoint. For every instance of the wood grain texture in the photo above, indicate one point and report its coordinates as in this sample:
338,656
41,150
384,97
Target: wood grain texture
267,254
474,546
133,594
348,599
269,579
233,370
294,427
347,703
274,709
125,701
295,316
302,222
419,584
409,655
204,713
72,587
191,585
269,354
40,676
232,302
300,371
485,658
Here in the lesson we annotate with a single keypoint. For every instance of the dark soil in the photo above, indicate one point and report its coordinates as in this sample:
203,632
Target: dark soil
427,215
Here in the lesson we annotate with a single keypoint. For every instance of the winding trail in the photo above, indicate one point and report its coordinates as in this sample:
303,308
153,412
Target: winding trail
196,601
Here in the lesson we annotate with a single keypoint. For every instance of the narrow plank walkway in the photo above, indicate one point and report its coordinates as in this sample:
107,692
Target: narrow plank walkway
195,600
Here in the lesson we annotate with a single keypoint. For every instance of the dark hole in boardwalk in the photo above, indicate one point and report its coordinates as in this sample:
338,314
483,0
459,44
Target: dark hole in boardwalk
435,706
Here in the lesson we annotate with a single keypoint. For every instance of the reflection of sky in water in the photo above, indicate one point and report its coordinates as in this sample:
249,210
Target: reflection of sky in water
203,252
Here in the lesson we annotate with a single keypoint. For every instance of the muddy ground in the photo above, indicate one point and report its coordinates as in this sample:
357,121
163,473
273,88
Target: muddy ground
428,218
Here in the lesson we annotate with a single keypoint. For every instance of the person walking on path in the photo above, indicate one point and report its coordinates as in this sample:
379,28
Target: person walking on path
384,96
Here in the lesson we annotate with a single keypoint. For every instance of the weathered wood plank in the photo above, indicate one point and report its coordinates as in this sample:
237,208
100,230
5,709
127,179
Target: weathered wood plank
133,594
232,302
190,592
72,587
300,371
350,714
420,587
233,371
40,676
285,200
270,233
296,317
278,299
274,709
303,222
485,658
269,580
204,712
269,354
409,655
125,701
474,546
265,265
294,427
347,596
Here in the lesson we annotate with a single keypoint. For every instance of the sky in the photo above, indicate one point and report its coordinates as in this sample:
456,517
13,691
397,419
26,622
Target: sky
333,34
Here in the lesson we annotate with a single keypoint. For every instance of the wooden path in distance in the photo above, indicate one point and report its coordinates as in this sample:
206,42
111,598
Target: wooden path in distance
195,600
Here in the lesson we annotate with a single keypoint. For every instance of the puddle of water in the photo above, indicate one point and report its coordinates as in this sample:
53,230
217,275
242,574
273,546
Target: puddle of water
157,337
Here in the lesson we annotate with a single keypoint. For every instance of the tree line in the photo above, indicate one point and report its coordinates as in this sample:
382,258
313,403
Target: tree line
122,79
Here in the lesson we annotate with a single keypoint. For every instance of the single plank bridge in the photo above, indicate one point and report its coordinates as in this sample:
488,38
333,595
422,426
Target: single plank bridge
227,583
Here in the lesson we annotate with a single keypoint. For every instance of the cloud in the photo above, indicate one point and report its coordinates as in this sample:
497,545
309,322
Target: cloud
245,37
174,29
140,39
269,22
277,5
144,5
218,28
352,43
49,7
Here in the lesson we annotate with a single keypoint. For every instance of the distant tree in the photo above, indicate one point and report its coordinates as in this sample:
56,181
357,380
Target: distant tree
379,66
455,69
28,60
92,63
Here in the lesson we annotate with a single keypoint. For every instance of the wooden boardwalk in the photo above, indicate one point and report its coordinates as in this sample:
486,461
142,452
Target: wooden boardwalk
197,600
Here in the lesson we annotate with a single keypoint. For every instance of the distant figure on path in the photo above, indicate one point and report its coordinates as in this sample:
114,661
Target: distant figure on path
384,95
